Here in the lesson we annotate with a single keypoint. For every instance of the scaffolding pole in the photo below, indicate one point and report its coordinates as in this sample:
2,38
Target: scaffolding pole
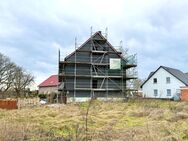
91,68
75,70
107,67
122,83
58,75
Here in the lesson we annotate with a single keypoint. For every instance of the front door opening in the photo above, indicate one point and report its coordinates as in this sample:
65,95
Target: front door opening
94,84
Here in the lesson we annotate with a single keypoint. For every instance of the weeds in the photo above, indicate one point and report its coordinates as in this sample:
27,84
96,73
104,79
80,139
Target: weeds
134,120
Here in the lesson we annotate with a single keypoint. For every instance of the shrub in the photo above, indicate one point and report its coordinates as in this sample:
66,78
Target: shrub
42,96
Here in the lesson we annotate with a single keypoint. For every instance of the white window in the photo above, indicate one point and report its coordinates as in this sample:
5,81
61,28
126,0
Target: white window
155,92
115,63
167,80
154,80
168,92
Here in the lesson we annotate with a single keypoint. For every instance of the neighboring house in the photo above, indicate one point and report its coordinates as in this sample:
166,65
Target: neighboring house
49,86
165,82
95,69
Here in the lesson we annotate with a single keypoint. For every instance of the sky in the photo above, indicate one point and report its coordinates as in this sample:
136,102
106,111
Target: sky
31,32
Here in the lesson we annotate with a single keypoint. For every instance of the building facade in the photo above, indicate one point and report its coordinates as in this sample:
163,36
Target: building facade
165,83
95,69
49,86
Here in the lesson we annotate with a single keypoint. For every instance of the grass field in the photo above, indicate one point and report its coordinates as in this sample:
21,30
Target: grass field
135,120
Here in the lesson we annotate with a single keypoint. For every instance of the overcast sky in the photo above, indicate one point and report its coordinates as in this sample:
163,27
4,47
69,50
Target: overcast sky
31,32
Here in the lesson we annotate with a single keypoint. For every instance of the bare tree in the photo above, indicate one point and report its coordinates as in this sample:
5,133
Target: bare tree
6,72
137,83
22,80
13,77
9,76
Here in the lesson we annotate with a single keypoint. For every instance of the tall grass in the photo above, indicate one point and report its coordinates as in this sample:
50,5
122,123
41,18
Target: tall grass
95,120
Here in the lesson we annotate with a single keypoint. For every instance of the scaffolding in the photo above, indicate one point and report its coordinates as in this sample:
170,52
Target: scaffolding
87,71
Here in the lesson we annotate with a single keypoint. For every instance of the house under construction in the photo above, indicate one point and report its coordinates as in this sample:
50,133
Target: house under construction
96,69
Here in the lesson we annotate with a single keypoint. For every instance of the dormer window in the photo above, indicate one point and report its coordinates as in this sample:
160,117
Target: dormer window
154,80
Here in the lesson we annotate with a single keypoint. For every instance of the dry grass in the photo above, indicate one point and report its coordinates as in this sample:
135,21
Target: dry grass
146,120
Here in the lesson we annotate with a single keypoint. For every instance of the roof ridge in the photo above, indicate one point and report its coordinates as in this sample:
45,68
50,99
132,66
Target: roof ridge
85,42
170,68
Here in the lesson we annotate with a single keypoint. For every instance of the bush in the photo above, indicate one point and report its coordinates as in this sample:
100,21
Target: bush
42,96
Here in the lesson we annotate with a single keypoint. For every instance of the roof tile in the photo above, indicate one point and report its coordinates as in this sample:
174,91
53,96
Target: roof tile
51,81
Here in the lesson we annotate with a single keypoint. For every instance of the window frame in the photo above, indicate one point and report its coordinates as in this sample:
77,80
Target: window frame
155,92
168,81
167,92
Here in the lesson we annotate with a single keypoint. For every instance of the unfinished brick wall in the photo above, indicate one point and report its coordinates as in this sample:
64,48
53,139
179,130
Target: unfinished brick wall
184,94
8,104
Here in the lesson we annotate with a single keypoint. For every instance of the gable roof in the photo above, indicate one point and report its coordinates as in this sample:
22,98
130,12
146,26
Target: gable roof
183,77
100,34
50,82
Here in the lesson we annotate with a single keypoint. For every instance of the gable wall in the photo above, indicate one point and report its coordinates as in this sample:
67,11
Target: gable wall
83,55
161,86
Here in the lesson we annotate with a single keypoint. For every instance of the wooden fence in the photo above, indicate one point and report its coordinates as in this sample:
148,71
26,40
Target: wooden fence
28,102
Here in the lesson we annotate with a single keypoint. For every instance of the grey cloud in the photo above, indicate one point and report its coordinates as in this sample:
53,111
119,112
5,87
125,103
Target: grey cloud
32,31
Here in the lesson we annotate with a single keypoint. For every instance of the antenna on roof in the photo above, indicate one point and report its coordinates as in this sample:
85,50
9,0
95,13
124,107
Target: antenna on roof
75,43
121,43
59,54
121,46
106,32
91,31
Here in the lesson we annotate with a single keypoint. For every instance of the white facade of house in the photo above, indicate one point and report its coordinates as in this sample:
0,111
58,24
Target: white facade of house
166,86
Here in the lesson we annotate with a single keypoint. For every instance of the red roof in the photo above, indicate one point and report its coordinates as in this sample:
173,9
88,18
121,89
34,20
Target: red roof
50,82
